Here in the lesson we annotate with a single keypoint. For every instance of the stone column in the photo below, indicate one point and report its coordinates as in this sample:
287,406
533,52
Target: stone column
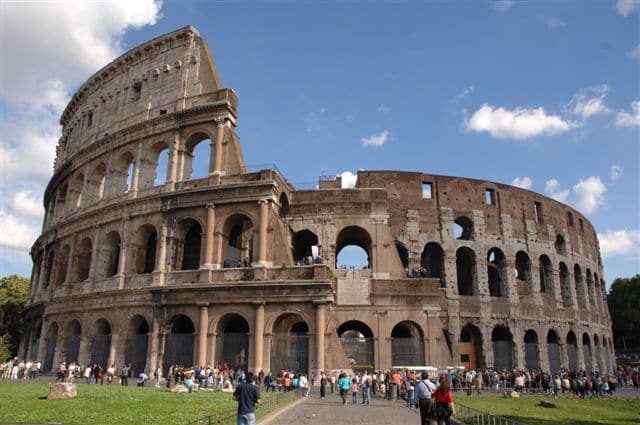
113,349
319,343
262,233
487,346
124,247
580,352
84,351
94,254
203,326
518,348
208,239
158,273
173,160
152,352
543,353
42,347
137,163
211,352
215,160
258,338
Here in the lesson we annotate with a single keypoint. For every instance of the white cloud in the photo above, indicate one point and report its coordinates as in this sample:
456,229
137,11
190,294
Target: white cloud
24,203
552,189
349,179
625,119
519,124
376,139
383,108
589,194
554,22
524,182
625,7
16,235
619,242
615,172
465,92
635,52
502,5
589,101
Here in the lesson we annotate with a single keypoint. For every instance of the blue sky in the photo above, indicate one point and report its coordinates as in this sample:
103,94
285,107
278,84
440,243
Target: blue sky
547,93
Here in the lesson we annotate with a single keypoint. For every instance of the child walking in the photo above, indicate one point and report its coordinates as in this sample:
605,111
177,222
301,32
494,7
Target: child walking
354,390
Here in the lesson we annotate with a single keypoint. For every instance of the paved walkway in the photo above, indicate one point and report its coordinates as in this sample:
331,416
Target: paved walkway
317,411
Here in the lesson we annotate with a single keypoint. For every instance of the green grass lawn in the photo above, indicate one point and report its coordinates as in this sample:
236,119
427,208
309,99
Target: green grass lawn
569,412
109,404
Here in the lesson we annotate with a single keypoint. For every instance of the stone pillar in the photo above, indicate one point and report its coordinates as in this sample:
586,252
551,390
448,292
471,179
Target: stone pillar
42,347
215,160
94,254
172,172
203,326
158,273
137,163
487,346
258,338
543,352
580,352
518,348
262,233
319,342
124,247
113,349
211,351
152,352
84,351
208,239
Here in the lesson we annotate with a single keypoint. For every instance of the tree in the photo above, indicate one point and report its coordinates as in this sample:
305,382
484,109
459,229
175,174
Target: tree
624,307
14,291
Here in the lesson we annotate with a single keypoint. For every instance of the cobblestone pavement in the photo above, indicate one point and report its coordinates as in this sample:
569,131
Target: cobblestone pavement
330,410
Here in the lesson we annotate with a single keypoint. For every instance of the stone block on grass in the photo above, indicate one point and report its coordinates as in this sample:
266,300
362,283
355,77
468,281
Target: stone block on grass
62,391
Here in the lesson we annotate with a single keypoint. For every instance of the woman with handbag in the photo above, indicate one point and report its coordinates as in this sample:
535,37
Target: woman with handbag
444,406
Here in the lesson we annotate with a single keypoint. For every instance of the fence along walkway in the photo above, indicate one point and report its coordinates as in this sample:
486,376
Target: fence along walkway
471,416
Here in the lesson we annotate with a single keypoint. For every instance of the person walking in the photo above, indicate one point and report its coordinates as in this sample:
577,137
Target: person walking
323,385
354,390
424,401
444,406
248,397
344,383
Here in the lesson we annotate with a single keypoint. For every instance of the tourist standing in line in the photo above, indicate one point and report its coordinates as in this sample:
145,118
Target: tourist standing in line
444,402
344,383
333,383
248,397
424,401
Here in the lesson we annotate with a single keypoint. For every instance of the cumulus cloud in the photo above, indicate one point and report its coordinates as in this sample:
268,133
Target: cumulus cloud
615,172
625,7
520,123
626,119
465,92
619,242
377,139
25,203
635,52
349,179
502,5
524,182
552,188
587,195
16,235
383,108
589,101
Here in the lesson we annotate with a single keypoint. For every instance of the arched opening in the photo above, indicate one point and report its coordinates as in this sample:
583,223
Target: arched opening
35,340
76,186
61,266
82,261
233,338
161,153
353,248
553,351
502,340
101,343
48,265
470,347
565,285
590,291
560,245
196,157
73,333
238,232
137,344
404,255
596,346
189,242
545,269
144,249
579,283
432,259
121,177
284,204
523,273
109,255
179,343
497,273
467,274
305,247
531,353
586,351
407,345
95,184
463,228
61,203
50,348
357,343
290,344
572,351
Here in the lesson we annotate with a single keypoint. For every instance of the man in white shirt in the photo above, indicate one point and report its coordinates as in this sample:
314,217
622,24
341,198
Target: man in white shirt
423,398
303,383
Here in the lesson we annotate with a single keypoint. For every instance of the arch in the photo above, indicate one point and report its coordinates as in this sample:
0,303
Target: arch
572,351
304,243
502,340
48,266
82,260
121,174
179,342
467,271
463,228
560,245
101,343
545,269
109,255
531,353
403,253
233,341
432,259
470,347
497,273
357,342
189,244
590,290
597,348
579,284
553,351
62,261
586,352
145,245
354,236
238,232
137,344
523,273
50,348
61,200
76,187
160,156
407,344
198,147
73,330
95,184
290,343
565,286
284,204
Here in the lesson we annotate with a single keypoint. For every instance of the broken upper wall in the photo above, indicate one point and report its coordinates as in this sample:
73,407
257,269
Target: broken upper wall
165,75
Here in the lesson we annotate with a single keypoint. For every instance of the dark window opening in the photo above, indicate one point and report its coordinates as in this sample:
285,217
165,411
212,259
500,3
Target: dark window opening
89,118
570,218
137,91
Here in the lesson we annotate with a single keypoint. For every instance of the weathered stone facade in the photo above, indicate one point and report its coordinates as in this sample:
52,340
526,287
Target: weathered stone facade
155,267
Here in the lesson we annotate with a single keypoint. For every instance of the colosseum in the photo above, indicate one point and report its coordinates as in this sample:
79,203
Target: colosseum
143,260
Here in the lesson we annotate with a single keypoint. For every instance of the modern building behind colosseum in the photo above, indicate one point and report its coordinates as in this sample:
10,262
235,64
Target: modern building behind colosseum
156,265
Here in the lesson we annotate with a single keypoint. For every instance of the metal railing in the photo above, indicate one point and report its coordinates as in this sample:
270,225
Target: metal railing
471,416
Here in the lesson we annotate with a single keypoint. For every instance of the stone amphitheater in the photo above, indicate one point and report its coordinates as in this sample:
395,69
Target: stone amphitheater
143,260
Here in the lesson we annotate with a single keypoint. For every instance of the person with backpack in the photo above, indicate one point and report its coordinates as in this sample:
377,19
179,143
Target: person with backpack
444,406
